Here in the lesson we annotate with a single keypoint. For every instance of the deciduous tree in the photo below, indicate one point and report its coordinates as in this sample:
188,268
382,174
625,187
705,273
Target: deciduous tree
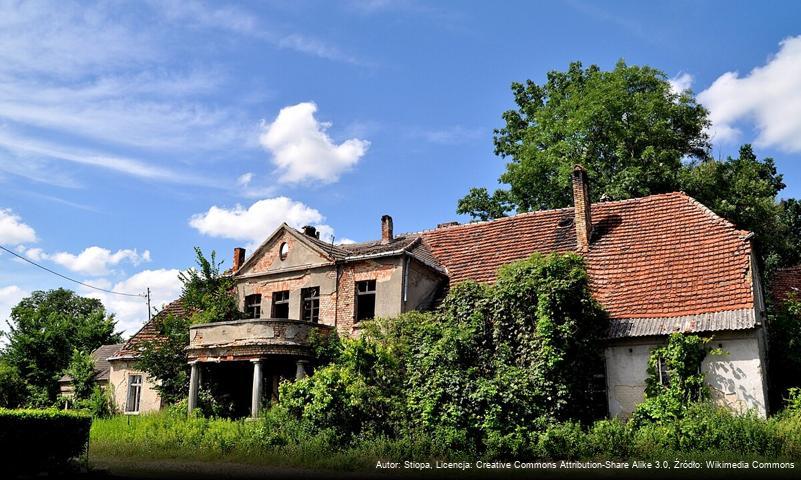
44,330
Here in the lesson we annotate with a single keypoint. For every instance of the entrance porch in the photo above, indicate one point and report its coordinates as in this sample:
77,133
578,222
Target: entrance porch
247,359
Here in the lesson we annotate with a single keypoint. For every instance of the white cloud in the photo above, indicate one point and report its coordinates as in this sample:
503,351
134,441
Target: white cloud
680,83
255,223
13,231
241,22
303,151
244,179
452,135
318,48
68,40
769,96
24,147
10,296
81,72
131,312
92,261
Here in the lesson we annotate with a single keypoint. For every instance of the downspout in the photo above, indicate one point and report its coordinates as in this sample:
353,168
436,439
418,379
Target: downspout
336,297
405,279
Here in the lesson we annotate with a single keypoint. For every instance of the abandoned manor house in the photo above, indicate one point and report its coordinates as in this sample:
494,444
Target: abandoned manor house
658,264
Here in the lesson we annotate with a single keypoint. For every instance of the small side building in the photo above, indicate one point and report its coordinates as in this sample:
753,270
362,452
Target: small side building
102,368
132,390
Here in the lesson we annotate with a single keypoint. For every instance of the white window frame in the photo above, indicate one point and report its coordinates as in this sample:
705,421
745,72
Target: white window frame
135,389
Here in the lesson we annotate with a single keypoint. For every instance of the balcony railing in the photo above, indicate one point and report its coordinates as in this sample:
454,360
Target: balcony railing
251,339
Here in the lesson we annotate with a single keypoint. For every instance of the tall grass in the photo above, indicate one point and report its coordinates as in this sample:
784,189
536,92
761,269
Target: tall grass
277,439
274,439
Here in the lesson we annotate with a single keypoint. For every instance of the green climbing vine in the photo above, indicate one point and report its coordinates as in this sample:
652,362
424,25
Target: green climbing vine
675,379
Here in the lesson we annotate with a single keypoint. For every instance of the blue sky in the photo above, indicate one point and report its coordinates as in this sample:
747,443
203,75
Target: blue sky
131,132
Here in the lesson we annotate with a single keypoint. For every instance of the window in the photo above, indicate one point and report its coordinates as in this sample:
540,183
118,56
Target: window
281,304
134,393
253,306
311,304
664,375
365,300
283,250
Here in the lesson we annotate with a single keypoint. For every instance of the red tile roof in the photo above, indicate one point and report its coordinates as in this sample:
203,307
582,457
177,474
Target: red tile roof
653,257
787,281
149,331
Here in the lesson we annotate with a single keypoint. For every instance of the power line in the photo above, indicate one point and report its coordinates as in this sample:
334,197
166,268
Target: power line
72,279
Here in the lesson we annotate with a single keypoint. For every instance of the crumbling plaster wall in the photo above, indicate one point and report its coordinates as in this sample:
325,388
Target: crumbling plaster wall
150,400
735,379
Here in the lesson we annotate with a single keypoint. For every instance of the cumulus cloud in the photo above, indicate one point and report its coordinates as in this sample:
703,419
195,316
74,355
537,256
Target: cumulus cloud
255,223
94,260
131,312
681,82
303,151
769,96
13,231
9,297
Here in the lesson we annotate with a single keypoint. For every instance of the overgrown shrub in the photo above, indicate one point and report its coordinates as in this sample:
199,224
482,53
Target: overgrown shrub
675,380
474,375
42,440
82,371
359,394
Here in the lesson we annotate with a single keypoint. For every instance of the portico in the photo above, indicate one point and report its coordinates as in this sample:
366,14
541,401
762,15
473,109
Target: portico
267,350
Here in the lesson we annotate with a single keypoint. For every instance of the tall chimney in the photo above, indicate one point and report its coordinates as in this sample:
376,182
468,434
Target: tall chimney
239,257
386,229
311,231
581,201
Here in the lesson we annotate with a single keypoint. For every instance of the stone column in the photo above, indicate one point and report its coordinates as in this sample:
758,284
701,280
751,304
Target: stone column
300,370
194,380
258,382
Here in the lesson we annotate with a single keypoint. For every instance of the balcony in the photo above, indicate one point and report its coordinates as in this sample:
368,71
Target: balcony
251,339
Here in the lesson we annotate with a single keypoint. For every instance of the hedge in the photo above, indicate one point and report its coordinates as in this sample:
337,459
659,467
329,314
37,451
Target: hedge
42,440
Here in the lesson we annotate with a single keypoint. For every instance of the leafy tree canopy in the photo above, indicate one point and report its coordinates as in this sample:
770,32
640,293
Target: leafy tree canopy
206,292
625,126
744,190
45,329
82,371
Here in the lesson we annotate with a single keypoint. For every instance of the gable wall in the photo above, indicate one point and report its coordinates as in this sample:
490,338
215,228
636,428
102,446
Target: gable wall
299,255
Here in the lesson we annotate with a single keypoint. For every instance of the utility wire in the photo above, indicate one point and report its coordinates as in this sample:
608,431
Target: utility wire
72,279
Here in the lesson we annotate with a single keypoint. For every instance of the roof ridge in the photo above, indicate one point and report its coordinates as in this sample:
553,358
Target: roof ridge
546,211
714,216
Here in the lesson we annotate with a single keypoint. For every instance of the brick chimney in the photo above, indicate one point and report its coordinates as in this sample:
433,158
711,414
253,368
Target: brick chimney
239,257
311,231
581,201
386,229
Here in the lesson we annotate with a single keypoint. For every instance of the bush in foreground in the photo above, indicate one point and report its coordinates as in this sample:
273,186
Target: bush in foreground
42,440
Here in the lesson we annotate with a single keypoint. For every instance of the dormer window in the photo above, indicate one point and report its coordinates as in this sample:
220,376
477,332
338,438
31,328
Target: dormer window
253,306
283,250
365,300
